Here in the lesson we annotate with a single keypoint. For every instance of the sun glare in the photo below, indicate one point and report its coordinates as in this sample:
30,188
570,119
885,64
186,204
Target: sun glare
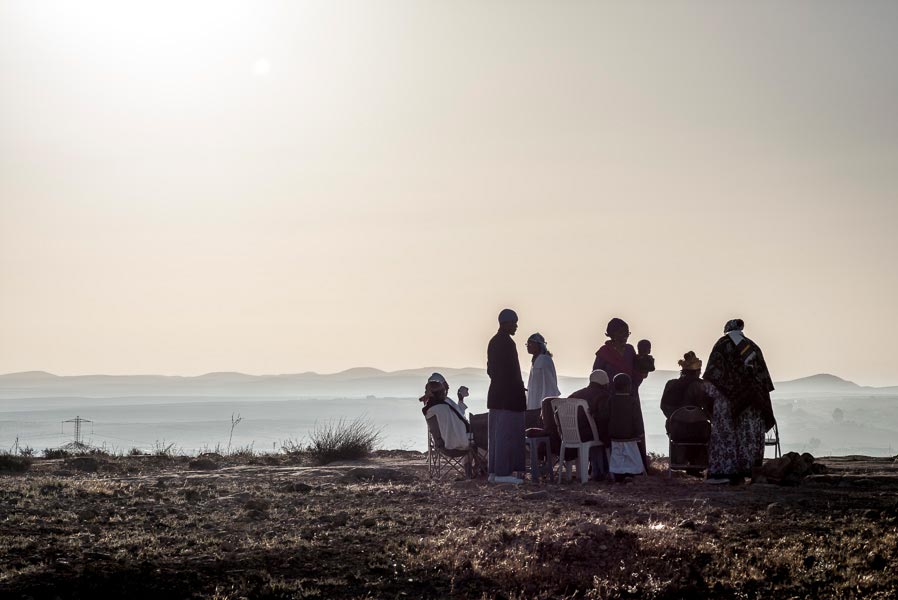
261,67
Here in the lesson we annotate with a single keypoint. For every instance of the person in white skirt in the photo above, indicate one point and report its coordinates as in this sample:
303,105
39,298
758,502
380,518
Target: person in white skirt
625,426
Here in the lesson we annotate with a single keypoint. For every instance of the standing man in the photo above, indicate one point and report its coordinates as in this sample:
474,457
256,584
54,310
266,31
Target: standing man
506,402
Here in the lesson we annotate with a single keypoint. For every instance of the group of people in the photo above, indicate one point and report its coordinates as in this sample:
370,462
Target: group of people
729,405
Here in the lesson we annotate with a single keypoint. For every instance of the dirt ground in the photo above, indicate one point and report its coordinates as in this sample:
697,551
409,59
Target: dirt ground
266,527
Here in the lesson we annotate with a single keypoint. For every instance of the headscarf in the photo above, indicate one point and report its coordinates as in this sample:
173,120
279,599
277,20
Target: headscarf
734,325
507,316
616,325
622,384
438,378
540,341
598,376
690,362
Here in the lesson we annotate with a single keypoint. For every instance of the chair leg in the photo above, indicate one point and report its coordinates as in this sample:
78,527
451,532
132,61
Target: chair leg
560,462
583,464
534,462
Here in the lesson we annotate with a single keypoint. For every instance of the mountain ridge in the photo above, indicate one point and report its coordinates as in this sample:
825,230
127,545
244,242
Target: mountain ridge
364,378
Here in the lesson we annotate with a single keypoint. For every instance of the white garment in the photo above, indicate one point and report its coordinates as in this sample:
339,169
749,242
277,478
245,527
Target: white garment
543,382
452,427
460,406
737,337
626,459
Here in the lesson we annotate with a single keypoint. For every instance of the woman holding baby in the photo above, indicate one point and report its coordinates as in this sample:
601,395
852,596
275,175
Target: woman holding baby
617,356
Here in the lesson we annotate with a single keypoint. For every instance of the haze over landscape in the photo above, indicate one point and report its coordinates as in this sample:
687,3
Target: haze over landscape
278,187
237,238
822,414
282,187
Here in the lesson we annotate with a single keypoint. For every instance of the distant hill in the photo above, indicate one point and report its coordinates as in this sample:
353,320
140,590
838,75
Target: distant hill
830,384
822,382
355,382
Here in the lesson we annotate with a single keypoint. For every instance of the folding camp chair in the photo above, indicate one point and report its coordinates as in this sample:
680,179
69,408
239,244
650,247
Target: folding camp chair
688,455
566,411
442,461
772,438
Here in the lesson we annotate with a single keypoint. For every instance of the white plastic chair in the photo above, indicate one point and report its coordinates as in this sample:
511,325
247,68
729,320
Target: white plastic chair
565,411
772,438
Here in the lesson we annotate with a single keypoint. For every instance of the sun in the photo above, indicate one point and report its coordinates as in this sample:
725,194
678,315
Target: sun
261,67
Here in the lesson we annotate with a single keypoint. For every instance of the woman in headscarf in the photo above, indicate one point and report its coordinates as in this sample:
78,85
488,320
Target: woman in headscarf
543,382
689,433
740,387
616,356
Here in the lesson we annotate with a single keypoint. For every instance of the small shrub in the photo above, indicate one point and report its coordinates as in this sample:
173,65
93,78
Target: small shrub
163,450
56,453
14,464
339,440
102,451
293,448
244,452
136,452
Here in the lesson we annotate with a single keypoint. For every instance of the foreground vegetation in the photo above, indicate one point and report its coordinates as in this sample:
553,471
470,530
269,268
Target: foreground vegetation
284,527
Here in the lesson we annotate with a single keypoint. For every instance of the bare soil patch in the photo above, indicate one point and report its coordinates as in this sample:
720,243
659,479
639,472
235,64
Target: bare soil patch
155,527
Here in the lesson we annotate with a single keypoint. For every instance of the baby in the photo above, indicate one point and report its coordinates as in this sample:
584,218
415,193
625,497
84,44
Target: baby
644,362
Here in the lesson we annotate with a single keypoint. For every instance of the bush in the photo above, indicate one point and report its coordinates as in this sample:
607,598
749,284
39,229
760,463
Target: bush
293,448
14,464
243,452
163,450
56,453
338,440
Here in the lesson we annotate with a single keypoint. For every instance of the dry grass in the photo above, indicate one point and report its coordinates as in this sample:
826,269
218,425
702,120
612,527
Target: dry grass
331,441
147,527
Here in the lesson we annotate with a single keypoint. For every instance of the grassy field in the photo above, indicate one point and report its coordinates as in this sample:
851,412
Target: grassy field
273,527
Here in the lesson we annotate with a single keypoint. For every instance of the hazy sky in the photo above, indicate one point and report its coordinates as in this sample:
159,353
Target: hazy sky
280,187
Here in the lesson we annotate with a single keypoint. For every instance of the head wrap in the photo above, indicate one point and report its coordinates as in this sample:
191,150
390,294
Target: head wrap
616,325
622,383
540,341
507,316
690,362
438,378
734,325
598,376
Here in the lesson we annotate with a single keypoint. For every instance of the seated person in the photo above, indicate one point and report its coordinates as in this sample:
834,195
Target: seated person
692,427
644,362
454,428
596,394
687,390
462,393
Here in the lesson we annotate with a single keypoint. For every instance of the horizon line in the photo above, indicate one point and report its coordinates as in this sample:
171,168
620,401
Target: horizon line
360,368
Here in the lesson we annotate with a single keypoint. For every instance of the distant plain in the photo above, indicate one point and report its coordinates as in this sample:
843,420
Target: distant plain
823,414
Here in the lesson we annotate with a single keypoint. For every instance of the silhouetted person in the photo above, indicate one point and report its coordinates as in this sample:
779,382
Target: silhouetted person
743,413
506,401
543,381
644,362
617,356
625,427
690,427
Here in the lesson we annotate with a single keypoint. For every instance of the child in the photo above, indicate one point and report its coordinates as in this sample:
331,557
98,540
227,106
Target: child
644,363
626,430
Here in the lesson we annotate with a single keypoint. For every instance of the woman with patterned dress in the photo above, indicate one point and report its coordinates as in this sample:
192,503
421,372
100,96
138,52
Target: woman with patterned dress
740,384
